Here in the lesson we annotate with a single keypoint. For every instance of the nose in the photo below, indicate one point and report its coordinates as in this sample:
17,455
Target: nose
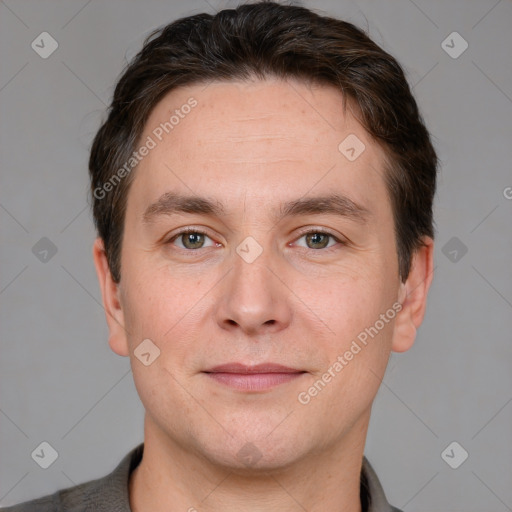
254,298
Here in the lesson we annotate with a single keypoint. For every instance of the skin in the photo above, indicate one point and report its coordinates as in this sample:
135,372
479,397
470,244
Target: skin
252,146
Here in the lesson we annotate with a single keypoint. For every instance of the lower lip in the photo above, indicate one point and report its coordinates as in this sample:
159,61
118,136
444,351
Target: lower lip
253,381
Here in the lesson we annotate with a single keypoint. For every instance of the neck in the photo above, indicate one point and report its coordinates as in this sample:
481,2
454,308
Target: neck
171,478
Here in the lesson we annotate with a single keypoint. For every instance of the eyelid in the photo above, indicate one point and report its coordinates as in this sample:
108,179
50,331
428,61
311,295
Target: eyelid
324,231
316,229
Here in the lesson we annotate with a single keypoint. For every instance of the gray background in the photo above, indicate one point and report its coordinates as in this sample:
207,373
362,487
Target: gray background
60,382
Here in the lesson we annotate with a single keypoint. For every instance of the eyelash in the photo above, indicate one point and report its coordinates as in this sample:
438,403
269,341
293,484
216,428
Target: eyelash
302,234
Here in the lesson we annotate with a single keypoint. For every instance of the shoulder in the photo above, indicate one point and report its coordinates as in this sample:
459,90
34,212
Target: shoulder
107,494
66,500
45,504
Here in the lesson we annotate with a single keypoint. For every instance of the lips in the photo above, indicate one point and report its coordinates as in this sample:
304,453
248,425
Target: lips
260,377
259,368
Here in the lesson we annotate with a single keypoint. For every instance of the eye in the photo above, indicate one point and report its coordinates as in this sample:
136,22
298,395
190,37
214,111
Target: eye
191,239
318,239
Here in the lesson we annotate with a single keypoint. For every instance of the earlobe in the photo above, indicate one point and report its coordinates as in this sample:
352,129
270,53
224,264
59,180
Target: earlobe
110,294
413,297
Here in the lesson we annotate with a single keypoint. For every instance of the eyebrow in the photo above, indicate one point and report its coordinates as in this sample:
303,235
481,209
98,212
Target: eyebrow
171,203
335,204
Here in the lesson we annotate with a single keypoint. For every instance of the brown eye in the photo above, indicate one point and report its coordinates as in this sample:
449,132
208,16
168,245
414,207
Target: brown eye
192,239
317,240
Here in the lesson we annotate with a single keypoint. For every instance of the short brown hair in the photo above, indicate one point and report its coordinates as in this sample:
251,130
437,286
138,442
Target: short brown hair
266,39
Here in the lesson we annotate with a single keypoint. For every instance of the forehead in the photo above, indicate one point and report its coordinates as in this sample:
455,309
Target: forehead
245,115
258,139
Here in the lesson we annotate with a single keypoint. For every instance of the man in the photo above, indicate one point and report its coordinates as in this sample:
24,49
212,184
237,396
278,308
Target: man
262,190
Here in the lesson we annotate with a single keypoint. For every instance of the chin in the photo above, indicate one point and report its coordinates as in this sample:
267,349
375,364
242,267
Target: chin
248,453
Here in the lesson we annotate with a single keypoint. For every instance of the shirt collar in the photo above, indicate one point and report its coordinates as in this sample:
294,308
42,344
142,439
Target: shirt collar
371,485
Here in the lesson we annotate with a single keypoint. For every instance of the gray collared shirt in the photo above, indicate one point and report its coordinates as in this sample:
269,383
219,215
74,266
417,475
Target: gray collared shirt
110,493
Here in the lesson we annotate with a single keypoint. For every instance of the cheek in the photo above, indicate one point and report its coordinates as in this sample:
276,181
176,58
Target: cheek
357,352
159,308
358,316
166,308
150,295
348,302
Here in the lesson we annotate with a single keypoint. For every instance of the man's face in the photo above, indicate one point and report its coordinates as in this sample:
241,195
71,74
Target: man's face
259,280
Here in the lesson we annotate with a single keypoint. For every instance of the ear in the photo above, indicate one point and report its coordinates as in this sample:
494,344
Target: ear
413,297
110,293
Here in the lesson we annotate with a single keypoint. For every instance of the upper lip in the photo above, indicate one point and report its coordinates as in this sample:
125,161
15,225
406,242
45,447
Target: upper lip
245,369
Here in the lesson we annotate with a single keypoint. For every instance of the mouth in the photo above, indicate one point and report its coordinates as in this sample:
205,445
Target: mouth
253,378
